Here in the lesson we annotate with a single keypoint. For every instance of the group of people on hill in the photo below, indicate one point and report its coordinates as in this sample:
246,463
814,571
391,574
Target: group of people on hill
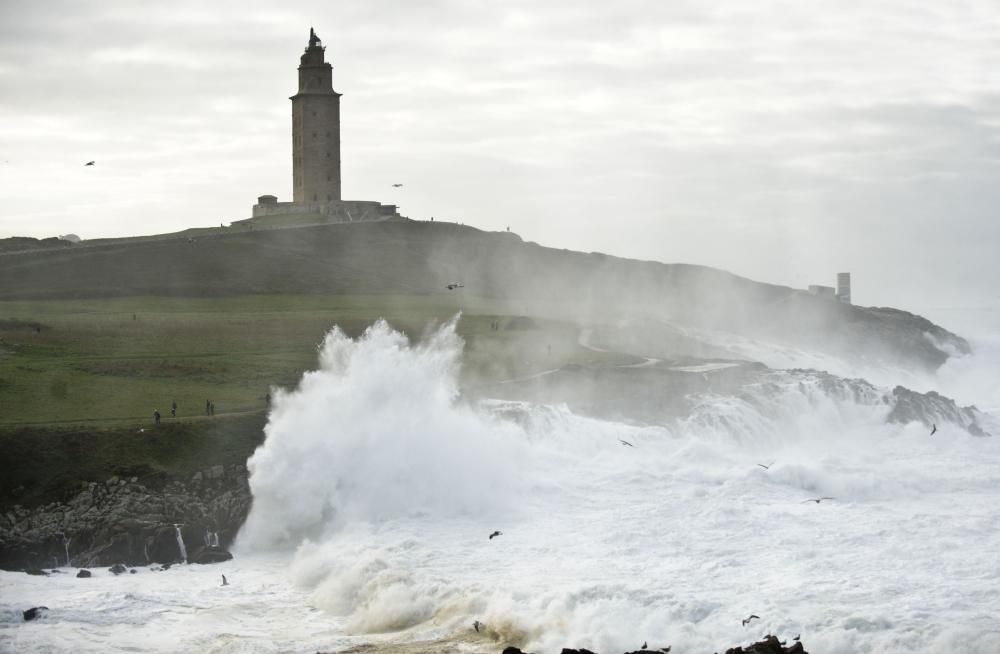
173,412
209,409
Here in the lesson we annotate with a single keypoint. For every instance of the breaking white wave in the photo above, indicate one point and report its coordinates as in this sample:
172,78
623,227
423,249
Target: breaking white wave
672,539
378,487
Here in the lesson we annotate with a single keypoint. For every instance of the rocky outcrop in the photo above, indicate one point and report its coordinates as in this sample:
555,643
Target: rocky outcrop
35,613
932,408
770,645
130,521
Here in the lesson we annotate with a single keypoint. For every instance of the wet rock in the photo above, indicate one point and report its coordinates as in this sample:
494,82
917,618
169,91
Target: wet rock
82,574
933,408
38,572
35,613
109,523
205,555
770,645
117,569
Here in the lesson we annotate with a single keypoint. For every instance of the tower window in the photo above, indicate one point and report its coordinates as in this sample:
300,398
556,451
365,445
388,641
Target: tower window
315,197
314,134
314,113
328,198
327,155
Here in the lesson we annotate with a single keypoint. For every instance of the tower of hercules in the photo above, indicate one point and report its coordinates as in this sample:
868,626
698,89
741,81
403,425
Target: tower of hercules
315,129
316,193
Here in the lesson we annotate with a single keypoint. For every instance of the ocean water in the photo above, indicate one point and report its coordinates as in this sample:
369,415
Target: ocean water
379,484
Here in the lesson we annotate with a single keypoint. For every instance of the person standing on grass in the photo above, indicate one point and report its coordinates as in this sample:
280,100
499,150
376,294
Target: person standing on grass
156,416
211,408
173,409
208,408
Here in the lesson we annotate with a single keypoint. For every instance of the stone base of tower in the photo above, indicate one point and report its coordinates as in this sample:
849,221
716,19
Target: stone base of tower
337,211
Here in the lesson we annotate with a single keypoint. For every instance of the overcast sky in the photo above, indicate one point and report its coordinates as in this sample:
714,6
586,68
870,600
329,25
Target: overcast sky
783,141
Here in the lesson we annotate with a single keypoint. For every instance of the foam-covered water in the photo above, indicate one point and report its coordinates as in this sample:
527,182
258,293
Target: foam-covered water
378,485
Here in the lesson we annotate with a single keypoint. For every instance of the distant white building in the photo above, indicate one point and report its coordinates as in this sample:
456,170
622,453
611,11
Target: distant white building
844,287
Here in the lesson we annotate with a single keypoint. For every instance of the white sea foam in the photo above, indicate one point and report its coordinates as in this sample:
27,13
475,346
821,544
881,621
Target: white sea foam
378,486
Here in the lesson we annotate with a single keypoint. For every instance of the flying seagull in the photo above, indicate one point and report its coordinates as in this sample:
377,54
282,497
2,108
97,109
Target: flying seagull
747,620
224,582
797,637
452,286
90,163
933,429
625,442
818,499
766,467
396,185
495,533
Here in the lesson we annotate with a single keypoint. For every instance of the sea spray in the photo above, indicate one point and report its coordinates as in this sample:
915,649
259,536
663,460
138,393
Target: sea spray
386,485
377,433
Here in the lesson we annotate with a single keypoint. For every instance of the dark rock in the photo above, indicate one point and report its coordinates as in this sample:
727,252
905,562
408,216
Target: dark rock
83,574
132,571
36,571
582,650
204,555
770,645
133,524
512,650
117,569
933,408
35,613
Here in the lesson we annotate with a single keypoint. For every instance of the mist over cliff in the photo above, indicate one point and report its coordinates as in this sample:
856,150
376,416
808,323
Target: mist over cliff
686,309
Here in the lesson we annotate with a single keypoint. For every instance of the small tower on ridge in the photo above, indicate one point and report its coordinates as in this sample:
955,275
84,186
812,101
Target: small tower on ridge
315,129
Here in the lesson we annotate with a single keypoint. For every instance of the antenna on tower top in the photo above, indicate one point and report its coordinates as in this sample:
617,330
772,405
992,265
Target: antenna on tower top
313,39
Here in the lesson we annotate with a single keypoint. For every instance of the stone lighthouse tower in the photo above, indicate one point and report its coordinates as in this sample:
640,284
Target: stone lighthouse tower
315,129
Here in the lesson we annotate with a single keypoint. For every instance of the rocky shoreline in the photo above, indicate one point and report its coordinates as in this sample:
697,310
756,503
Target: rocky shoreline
769,645
130,521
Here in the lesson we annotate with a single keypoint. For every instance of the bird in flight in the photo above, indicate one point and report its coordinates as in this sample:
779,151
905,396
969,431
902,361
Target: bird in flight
396,185
747,620
933,429
817,500
495,533
452,286
625,442
90,163
797,637
766,467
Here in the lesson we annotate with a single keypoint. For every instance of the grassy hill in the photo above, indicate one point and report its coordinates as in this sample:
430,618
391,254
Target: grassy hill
114,360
